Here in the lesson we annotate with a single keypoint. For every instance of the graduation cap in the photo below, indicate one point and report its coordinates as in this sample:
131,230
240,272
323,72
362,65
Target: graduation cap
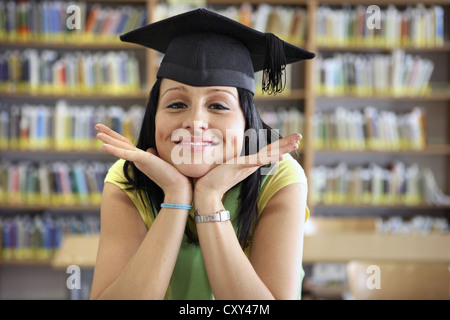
203,48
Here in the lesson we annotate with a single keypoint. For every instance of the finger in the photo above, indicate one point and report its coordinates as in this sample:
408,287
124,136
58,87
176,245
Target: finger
105,130
290,140
130,155
271,153
294,137
115,142
274,152
266,155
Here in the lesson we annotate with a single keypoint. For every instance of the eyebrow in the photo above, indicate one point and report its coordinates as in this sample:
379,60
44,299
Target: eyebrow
223,90
174,88
182,88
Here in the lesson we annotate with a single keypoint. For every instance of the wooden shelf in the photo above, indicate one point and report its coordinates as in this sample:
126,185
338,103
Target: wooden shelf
429,150
383,2
435,96
379,206
21,152
50,207
25,262
371,48
143,95
68,45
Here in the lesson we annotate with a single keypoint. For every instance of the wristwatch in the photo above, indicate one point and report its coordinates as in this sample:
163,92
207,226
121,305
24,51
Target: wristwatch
222,215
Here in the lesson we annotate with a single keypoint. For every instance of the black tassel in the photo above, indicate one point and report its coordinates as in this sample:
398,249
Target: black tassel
274,75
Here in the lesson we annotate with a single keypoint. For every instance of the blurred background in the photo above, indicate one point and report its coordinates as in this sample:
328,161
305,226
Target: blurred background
373,109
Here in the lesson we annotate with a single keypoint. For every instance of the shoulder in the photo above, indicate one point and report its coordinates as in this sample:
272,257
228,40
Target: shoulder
116,176
285,172
115,173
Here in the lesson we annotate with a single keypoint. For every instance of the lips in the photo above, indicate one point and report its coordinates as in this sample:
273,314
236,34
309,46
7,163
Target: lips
196,142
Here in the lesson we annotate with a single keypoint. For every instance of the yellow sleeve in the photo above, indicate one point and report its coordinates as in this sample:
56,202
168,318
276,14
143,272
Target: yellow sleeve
287,172
116,176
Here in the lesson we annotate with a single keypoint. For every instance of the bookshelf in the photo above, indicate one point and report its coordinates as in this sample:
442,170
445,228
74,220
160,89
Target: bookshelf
304,95
432,102
66,213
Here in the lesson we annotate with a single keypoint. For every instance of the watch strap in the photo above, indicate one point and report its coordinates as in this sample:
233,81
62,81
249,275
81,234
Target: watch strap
222,215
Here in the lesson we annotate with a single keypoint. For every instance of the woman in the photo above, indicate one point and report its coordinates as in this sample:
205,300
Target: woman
186,213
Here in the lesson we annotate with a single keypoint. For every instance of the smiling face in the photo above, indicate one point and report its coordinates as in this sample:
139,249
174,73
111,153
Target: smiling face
198,128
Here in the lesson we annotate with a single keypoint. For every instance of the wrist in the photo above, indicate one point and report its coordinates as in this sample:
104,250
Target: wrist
203,194
178,197
207,203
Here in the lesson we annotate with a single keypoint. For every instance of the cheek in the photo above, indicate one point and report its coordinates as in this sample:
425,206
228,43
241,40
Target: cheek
234,140
163,133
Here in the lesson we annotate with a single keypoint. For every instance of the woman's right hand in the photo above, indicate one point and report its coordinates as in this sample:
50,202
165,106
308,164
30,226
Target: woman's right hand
166,176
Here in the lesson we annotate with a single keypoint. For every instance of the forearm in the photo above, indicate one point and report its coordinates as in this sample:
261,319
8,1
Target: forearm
148,273
230,272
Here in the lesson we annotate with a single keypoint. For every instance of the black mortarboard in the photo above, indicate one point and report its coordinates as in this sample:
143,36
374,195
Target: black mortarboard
203,48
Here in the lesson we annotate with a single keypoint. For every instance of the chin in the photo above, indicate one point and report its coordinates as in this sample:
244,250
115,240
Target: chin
194,170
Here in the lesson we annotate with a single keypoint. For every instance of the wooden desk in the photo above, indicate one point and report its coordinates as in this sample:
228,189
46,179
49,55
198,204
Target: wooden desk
330,247
344,247
79,250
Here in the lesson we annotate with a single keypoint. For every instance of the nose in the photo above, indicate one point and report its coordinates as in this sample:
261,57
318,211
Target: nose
196,120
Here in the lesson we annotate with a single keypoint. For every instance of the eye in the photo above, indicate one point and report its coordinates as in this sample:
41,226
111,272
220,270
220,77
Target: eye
218,106
176,105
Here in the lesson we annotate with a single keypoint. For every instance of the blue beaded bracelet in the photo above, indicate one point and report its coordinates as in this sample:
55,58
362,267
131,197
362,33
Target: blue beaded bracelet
176,206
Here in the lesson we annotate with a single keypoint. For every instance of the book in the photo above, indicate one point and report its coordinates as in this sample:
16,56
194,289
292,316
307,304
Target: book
420,225
39,236
370,129
286,120
57,183
394,184
417,26
86,73
53,21
64,127
287,22
396,74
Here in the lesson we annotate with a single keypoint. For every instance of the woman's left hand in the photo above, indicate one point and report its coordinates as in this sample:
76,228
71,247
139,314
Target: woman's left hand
223,177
